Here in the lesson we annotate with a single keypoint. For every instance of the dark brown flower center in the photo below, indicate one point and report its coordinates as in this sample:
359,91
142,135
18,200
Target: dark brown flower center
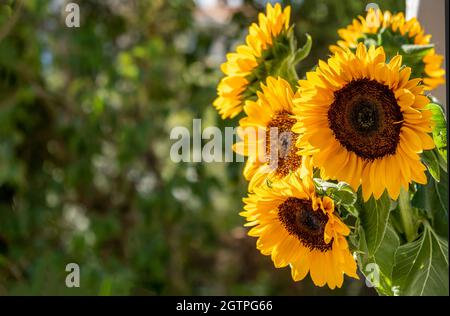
300,220
280,144
366,119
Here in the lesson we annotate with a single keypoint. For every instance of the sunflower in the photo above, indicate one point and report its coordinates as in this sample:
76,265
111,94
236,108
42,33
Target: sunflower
301,230
407,32
366,120
267,138
239,69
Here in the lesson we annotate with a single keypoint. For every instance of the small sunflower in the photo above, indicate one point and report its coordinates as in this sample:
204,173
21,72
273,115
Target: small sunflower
366,120
240,66
403,32
299,229
267,138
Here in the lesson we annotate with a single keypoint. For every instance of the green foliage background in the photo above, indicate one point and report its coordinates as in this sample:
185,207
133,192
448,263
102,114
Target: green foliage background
85,174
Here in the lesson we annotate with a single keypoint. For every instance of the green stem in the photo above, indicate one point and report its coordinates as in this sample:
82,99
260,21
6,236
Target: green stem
287,71
406,214
292,76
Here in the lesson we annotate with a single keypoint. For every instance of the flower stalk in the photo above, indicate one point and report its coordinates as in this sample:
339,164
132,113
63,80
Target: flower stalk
406,212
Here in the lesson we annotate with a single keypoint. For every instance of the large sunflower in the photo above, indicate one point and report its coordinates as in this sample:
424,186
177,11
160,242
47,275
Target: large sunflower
267,138
239,67
366,120
301,230
410,32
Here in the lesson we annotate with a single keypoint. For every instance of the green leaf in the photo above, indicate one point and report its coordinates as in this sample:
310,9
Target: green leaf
442,190
303,52
391,42
421,267
440,129
433,198
324,185
374,215
378,268
348,210
431,161
417,50
412,54
385,254
280,50
341,192
370,39
441,159
344,194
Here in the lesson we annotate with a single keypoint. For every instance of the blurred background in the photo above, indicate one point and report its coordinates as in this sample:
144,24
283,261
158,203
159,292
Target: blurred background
85,173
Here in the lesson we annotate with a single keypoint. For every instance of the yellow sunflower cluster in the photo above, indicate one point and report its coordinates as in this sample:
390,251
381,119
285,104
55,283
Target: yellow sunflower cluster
402,32
240,65
358,118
